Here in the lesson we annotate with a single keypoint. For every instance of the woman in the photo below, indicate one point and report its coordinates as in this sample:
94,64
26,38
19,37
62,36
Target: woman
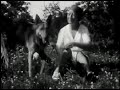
72,40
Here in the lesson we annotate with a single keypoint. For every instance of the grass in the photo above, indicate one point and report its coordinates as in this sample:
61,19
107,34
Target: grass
104,65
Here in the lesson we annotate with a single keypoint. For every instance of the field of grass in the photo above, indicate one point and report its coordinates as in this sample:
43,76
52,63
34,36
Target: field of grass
104,65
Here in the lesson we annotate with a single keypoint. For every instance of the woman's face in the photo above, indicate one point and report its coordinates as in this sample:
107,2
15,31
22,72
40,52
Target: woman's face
71,16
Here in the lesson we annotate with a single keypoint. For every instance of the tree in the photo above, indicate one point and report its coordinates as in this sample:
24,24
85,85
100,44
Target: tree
100,20
12,9
52,9
13,12
4,53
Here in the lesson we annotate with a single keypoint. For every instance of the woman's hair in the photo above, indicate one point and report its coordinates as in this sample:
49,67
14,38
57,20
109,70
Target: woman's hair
78,11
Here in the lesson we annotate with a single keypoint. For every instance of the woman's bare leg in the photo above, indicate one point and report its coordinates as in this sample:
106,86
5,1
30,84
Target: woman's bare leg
65,56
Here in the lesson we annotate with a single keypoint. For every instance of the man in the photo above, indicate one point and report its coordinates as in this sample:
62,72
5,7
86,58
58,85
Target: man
72,40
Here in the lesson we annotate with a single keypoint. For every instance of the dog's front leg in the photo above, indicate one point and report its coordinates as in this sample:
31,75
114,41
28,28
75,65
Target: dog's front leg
30,62
42,66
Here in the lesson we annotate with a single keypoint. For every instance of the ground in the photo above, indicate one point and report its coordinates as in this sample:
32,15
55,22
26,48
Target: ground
104,65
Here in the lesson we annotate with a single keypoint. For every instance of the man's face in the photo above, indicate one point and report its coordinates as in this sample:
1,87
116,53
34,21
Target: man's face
71,16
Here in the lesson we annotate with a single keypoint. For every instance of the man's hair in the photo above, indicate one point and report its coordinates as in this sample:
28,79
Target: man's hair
78,11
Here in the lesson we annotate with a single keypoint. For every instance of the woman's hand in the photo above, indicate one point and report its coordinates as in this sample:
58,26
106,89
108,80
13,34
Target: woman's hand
69,45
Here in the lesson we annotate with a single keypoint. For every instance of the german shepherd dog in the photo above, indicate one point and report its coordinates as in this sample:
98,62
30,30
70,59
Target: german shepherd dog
35,36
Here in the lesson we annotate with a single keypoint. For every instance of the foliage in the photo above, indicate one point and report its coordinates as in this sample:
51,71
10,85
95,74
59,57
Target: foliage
12,9
104,65
11,12
51,9
101,22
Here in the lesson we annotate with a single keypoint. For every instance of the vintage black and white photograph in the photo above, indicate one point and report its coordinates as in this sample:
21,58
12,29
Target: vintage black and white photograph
60,45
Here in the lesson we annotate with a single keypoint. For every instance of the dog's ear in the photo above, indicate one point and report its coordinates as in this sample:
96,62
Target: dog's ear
49,20
37,19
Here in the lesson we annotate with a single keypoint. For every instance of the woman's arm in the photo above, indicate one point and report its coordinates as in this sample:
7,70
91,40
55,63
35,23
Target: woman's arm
59,54
60,45
87,47
83,46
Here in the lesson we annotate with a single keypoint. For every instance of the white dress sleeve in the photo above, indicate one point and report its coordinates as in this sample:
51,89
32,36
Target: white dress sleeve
60,40
86,38
85,34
